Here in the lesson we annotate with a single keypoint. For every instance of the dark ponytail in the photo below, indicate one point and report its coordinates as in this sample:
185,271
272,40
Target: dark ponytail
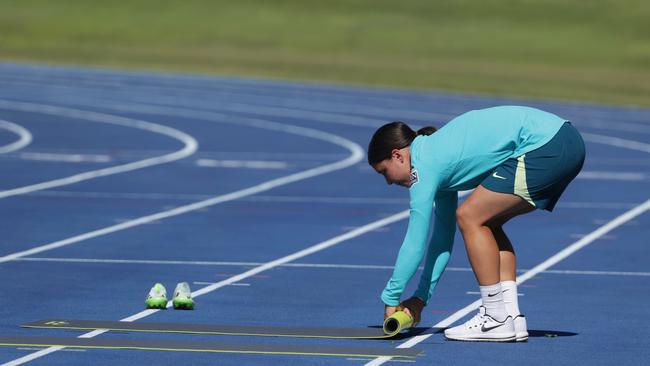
394,135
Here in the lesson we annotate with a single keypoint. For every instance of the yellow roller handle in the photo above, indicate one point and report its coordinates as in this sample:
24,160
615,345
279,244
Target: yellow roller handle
397,322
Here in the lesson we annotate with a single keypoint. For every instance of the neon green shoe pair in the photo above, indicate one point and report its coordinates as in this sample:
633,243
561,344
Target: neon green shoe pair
157,298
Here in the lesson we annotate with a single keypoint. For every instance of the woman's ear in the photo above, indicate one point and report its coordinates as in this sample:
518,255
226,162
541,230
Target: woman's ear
397,155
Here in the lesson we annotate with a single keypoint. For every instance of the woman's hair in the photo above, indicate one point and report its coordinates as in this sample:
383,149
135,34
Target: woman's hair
394,135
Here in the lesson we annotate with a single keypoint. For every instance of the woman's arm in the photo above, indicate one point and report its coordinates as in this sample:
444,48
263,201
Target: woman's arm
414,245
440,245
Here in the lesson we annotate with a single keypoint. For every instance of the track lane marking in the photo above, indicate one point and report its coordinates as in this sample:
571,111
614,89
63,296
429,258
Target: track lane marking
66,158
356,155
189,148
242,164
24,136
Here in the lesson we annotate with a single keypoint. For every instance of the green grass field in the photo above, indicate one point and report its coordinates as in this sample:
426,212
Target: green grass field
579,50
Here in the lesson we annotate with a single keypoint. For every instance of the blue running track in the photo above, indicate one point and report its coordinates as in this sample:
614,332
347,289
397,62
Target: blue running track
112,181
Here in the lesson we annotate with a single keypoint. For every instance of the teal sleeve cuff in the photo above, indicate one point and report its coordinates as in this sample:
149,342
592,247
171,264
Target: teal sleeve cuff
389,300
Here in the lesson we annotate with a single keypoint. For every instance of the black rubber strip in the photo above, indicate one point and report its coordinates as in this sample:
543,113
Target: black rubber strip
298,332
168,345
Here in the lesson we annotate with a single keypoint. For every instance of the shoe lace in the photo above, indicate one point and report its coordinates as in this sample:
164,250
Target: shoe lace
478,319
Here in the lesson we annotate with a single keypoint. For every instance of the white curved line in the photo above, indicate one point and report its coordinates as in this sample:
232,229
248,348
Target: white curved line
190,143
356,155
25,137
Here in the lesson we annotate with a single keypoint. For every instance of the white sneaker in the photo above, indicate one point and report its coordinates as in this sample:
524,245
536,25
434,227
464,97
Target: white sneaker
483,327
157,298
521,329
183,297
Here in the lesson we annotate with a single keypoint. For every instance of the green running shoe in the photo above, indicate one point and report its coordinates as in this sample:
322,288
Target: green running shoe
157,298
183,297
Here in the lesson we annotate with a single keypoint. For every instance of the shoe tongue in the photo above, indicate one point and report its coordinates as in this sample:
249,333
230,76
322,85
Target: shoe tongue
481,310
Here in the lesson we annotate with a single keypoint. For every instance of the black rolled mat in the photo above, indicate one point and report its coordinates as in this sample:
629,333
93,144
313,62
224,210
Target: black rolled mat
167,345
298,332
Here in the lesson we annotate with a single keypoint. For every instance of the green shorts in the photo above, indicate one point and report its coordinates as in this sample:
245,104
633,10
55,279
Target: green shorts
540,176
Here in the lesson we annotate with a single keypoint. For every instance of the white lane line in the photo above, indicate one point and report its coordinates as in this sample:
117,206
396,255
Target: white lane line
301,265
24,137
66,158
208,154
604,237
478,292
246,164
212,283
190,144
615,141
356,155
600,175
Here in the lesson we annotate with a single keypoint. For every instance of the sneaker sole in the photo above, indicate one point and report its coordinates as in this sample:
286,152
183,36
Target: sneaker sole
183,304
156,304
506,339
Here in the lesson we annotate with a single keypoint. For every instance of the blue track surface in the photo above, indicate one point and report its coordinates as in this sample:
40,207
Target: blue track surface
595,299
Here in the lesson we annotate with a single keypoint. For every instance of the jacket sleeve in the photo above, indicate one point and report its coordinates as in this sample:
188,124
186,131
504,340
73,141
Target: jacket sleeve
422,194
440,244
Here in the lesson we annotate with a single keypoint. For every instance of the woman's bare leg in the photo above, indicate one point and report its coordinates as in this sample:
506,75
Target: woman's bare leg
507,258
474,217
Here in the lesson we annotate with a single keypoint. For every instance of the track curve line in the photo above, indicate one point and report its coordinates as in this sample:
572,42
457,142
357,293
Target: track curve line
189,148
25,137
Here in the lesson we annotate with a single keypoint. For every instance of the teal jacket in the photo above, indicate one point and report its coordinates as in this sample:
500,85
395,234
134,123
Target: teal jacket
455,158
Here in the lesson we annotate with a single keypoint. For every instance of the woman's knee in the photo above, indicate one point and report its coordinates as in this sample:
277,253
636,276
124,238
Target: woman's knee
465,217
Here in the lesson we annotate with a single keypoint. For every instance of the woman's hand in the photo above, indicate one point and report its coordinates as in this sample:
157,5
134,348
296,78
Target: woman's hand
390,310
413,307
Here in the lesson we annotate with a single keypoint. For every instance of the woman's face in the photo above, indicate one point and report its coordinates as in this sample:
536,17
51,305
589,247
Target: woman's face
397,169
